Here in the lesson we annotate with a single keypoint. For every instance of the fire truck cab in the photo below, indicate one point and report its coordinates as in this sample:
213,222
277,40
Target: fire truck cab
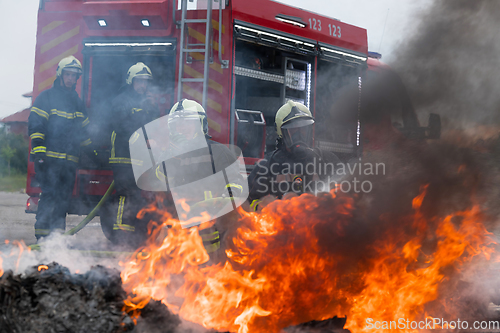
240,59
387,114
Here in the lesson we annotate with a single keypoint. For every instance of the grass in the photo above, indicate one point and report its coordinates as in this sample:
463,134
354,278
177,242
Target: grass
13,183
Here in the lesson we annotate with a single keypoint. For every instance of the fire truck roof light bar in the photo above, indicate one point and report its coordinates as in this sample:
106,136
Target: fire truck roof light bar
127,44
273,35
297,21
344,53
332,49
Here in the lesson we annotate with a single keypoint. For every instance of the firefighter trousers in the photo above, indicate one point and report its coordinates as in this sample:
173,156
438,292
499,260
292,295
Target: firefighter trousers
128,201
56,182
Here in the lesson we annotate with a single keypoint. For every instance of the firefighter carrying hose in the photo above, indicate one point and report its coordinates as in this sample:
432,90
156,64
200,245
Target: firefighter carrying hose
57,128
200,175
132,109
294,166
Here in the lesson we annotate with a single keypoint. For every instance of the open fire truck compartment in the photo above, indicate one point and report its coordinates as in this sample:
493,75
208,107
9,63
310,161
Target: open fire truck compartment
260,54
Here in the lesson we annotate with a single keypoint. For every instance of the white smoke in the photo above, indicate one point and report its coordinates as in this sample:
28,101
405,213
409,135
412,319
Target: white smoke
62,249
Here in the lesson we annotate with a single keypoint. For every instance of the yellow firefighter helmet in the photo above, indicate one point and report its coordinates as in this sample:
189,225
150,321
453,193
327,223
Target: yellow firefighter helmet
293,112
138,70
189,109
289,119
70,64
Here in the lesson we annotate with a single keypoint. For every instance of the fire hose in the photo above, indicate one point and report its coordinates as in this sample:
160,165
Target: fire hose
87,219
203,204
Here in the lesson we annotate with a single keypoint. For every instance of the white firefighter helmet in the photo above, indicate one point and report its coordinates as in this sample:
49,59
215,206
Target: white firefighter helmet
139,70
293,116
188,109
70,64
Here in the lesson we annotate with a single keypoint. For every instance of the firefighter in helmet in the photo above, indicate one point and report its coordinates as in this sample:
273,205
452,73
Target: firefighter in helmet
188,128
294,166
133,108
201,173
57,127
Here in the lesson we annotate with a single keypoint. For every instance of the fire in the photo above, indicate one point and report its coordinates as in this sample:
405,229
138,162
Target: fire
1,259
394,290
295,261
42,267
21,247
15,254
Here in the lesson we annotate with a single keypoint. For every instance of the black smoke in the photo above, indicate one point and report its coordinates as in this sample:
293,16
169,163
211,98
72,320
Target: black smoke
451,65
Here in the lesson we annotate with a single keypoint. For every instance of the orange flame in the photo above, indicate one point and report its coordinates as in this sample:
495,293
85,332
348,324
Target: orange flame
20,247
279,273
1,260
42,267
395,291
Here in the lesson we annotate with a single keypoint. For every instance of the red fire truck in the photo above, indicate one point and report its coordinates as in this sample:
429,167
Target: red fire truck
241,59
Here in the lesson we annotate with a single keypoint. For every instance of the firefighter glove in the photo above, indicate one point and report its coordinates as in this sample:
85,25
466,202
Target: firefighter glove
149,103
40,161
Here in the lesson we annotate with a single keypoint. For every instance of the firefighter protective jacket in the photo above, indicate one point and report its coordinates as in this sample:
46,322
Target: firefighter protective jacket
199,164
131,111
297,171
185,171
57,124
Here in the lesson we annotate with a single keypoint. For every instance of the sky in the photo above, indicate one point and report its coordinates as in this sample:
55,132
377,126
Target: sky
388,23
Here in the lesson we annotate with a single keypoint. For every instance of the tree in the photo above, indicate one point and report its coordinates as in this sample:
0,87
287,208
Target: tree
7,153
16,142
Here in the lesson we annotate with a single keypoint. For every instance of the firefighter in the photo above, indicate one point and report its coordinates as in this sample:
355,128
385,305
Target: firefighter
194,159
57,127
294,166
133,108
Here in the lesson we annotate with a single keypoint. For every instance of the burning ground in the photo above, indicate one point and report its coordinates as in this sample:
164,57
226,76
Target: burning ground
422,244
50,299
416,246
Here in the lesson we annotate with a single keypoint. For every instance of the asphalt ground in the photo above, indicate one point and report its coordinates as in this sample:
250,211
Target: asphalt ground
15,224
87,248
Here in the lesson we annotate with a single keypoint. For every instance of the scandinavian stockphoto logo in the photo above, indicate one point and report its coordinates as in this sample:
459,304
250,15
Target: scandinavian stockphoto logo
206,180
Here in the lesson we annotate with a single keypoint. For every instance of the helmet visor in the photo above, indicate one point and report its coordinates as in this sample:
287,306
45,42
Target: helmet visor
183,114
72,70
143,77
298,135
184,122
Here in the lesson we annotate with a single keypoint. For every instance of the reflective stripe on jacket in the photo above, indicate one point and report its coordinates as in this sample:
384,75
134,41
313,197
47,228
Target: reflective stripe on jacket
131,111
57,123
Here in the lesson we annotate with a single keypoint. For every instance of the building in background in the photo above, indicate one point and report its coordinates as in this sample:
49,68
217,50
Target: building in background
17,123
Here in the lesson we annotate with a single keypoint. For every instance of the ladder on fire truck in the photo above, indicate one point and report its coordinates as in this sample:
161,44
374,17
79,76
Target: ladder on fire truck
206,48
